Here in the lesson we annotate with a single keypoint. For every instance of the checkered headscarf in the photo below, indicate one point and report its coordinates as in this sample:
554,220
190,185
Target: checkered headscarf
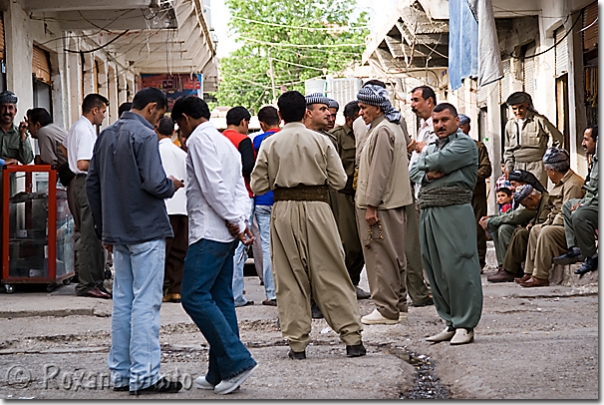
334,104
8,97
316,98
378,96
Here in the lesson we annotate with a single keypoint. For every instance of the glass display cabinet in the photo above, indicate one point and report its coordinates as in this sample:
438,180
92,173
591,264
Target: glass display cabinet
37,228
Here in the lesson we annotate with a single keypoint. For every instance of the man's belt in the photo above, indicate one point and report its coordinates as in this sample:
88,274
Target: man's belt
302,193
443,196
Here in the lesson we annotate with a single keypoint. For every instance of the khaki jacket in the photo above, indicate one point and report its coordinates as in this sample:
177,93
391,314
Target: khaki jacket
383,180
571,186
347,151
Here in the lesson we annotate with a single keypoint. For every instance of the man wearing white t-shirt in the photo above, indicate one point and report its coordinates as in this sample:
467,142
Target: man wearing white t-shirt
80,143
174,161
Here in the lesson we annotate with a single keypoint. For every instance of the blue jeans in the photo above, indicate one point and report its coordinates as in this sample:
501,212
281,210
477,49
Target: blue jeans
208,299
135,355
263,217
238,265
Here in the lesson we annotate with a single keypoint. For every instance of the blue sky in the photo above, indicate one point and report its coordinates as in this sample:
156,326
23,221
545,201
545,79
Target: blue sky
226,42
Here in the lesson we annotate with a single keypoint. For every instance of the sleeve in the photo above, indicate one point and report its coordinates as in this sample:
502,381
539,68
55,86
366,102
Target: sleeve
336,175
93,193
519,216
508,153
416,174
207,170
484,163
456,155
259,182
553,132
379,170
85,146
153,177
246,149
47,148
570,192
26,154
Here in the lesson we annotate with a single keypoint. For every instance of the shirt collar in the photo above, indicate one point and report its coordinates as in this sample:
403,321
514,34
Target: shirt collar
567,176
12,129
165,140
425,123
129,115
377,121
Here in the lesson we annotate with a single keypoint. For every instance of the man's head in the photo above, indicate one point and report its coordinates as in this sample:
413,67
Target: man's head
317,115
520,102
334,107
504,195
268,117
94,108
37,118
590,140
445,120
464,124
556,162
423,100
528,196
123,108
351,112
374,102
150,103
238,119
518,177
292,106
8,107
188,113
165,127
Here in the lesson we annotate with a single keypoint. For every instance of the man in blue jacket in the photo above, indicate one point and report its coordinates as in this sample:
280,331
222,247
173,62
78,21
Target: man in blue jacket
126,187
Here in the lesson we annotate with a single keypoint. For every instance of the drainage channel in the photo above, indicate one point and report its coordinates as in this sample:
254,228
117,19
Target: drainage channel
426,384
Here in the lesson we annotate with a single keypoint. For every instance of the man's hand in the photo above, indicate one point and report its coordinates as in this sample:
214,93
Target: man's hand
177,183
108,247
529,226
11,161
38,160
577,205
371,216
433,175
419,146
506,173
246,233
23,129
483,222
412,145
233,228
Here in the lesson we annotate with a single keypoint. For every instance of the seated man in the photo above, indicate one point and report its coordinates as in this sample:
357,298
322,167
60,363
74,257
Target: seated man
547,240
534,200
581,216
502,226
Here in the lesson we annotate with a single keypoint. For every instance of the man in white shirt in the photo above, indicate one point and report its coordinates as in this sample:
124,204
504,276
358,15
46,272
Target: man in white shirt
174,161
80,143
218,206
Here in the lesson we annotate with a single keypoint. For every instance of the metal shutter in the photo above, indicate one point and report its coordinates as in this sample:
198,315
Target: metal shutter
504,83
561,51
590,35
1,36
528,67
40,65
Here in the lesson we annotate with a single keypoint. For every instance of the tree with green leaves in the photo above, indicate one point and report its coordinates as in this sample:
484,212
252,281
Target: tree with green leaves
303,39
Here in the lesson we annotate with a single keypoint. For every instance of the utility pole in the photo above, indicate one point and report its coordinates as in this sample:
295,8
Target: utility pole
272,74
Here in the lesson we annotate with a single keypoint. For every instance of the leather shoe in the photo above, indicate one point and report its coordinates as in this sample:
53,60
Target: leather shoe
272,303
297,355
502,276
356,350
315,311
522,279
462,336
361,294
535,282
122,388
248,302
590,264
172,298
162,386
96,293
427,302
571,257
443,336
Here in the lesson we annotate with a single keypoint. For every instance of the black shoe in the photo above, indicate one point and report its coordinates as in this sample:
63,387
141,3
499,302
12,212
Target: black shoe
296,355
316,312
590,264
356,350
162,386
571,257
427,302
123,388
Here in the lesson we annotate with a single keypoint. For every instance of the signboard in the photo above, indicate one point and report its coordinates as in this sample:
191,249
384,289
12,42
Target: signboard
175,86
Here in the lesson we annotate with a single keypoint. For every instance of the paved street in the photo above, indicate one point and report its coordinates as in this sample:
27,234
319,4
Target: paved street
530,344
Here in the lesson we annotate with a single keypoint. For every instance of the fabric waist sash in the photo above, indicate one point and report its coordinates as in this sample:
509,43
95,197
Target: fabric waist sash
443,196
302,193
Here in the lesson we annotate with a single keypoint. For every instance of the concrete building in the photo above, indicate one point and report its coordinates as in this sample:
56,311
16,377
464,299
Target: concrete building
54,52
548,49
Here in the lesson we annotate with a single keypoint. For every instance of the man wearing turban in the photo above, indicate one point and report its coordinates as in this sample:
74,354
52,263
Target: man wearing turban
383,193
547,240
526,137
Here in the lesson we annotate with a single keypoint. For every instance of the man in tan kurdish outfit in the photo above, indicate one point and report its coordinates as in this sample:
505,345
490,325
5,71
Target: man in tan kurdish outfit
547,240
383,192
299,165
